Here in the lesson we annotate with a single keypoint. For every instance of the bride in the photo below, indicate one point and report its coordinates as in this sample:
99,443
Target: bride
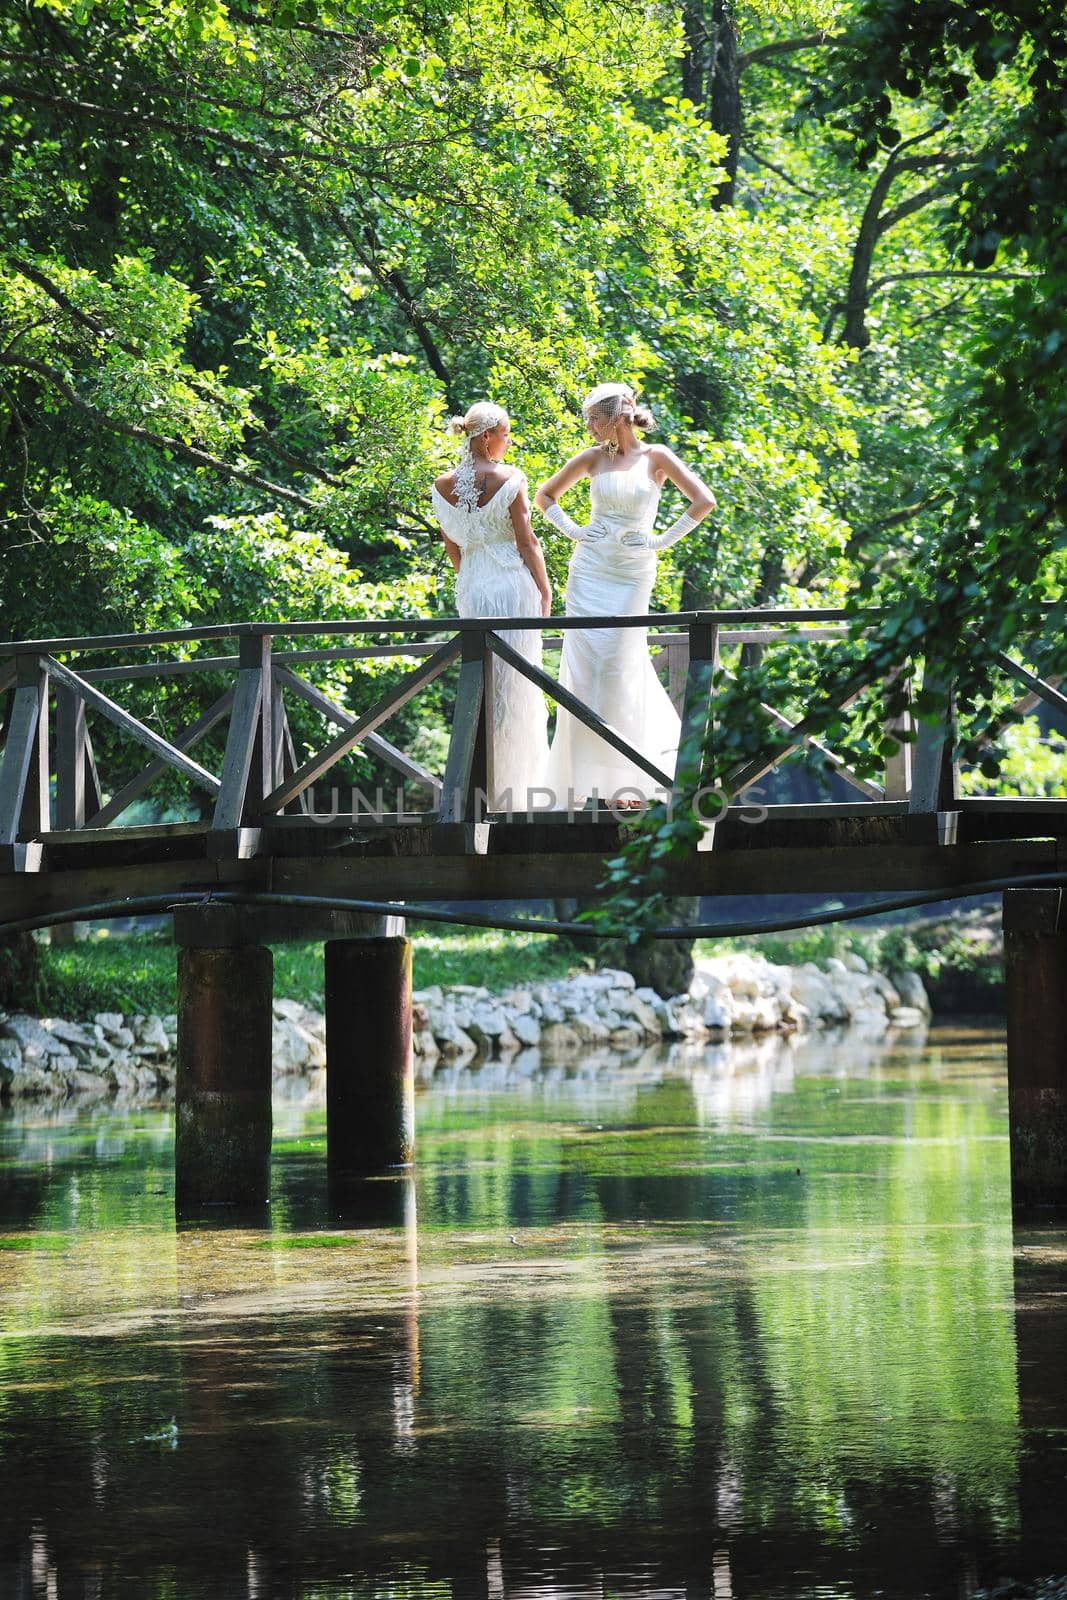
484,514
611,573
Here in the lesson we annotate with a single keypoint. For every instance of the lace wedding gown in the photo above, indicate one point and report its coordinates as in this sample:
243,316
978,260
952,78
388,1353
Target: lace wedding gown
610,668
494,581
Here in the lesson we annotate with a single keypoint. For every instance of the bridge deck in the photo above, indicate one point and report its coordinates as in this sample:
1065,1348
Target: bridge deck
65,842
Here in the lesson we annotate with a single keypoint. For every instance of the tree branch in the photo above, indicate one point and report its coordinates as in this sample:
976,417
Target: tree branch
761,161
781,47
976,273
180,130
159,441
299,463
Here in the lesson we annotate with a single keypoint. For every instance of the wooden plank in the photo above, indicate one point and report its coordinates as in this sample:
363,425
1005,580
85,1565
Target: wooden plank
18,755
241,739
70,759
8,673
898,767
577,708
677,667
1038,686
729,637
873,791
190,736
730,617
813,869
398,696
696,707
935,772
93,797
1018,708
463,745
37,799
160,669
375,743
130,725
743,778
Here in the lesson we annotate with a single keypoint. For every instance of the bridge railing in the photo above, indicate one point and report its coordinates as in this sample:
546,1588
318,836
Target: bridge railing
50,784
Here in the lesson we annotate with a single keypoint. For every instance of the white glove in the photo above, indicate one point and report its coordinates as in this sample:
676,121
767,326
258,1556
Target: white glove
677,530
558,517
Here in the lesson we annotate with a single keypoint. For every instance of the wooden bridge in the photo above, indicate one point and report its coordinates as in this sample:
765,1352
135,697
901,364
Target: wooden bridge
258,827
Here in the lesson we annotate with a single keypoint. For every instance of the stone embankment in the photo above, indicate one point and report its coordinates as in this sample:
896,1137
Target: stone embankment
733,997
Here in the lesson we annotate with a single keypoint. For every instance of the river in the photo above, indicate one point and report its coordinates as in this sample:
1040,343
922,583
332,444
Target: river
730,1325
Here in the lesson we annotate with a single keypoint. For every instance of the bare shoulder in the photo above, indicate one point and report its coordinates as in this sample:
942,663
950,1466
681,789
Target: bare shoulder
661,457
445,482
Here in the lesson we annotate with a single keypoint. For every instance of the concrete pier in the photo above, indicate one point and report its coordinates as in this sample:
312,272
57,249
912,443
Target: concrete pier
223,1091
1035,962
370,1086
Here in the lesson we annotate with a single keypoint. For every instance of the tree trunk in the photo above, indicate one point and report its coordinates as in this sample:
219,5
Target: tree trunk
711,79
665,965
20,976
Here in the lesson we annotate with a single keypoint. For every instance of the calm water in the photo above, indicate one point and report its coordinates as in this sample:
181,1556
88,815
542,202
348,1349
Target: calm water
738,1326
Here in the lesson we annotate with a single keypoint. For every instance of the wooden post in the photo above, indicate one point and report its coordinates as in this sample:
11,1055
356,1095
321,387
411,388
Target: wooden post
71,774
935,771
1035,961
696,706
898,767
222,1125
370,1083
469,763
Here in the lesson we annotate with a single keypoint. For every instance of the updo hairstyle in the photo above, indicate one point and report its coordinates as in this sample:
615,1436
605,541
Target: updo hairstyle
610,401
482,417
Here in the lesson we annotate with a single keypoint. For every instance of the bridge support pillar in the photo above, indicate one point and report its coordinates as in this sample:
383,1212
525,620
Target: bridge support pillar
1035,961
370,1084
222,1126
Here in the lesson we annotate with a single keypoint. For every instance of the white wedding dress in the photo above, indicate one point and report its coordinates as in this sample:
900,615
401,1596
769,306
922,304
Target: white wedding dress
610,669
494,581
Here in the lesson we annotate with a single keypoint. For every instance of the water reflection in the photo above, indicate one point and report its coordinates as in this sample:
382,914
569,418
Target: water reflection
702,1324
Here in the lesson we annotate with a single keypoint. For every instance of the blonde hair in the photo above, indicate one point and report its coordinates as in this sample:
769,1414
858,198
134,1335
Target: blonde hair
610,401
482,417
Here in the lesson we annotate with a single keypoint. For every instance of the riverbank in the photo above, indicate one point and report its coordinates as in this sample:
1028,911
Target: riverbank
958,958
731,997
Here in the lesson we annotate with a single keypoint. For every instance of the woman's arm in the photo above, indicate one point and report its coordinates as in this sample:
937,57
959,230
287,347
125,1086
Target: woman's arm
572,472
455,555
701,500
529,548
547,496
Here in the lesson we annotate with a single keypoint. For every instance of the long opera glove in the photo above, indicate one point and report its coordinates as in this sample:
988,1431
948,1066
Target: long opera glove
559,519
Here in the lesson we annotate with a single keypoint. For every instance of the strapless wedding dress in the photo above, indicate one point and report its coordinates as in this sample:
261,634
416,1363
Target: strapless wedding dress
494,581
610,668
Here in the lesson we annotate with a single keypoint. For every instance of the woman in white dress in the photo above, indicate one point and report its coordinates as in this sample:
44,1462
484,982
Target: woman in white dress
483,509
611,573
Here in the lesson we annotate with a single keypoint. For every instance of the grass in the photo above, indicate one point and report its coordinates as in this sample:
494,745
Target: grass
136,975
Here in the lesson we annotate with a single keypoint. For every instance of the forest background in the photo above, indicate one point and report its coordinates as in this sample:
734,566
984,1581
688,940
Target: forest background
252,255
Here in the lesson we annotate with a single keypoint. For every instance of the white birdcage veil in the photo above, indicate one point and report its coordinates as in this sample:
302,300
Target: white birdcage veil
610,402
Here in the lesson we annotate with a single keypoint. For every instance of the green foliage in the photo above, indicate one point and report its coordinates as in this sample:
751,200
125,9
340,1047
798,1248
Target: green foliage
136,975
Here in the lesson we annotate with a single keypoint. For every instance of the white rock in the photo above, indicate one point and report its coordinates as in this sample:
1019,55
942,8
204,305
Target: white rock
909,987
718,1017
526,1029
68,1032
34,1040
558,1038
152,1035
855,963
906,1017
109,1020
887,991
